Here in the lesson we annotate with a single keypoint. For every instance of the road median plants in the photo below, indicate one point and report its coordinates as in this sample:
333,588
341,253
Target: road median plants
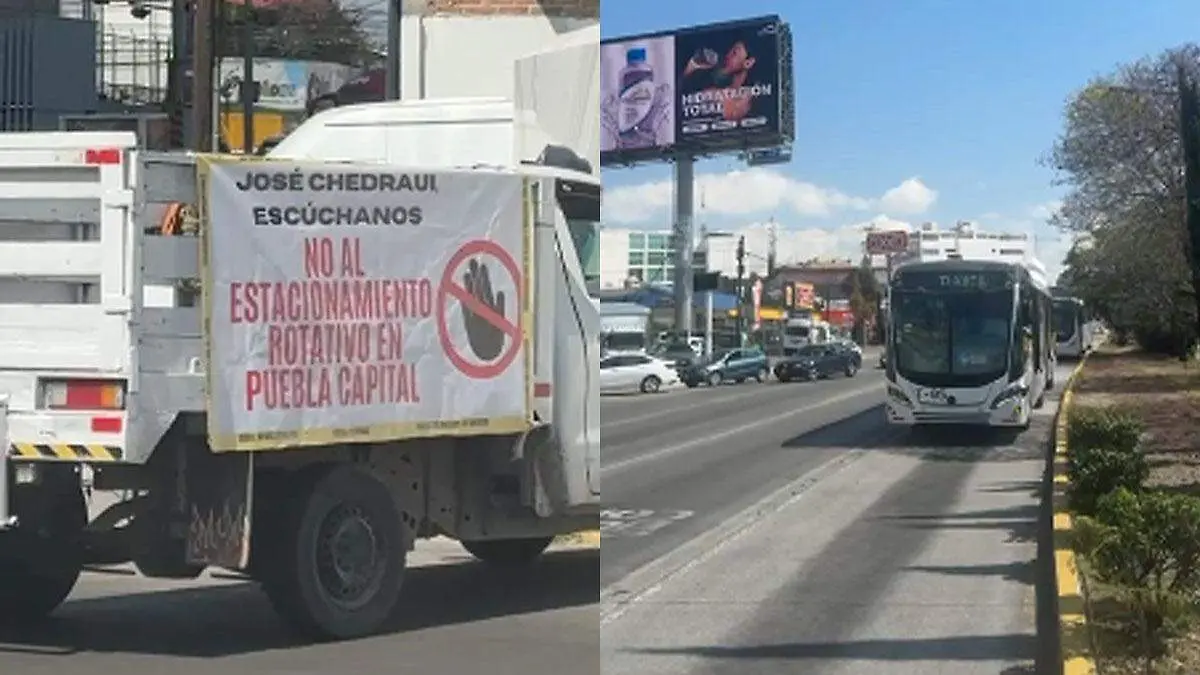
1133,469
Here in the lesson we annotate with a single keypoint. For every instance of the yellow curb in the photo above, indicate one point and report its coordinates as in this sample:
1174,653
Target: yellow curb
1074,644
584,539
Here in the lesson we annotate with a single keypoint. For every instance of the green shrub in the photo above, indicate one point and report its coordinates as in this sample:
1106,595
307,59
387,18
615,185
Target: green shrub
1110,427
1103,455
1147,544
1098,472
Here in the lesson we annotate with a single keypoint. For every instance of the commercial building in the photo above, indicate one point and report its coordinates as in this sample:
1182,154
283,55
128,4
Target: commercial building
930,243
633,257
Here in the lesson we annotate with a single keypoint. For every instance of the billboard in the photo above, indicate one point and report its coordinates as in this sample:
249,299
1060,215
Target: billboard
637,93
696,91
883,243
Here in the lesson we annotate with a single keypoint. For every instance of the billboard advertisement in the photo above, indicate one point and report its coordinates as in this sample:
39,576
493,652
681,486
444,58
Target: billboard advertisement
637,95
728,83
696,91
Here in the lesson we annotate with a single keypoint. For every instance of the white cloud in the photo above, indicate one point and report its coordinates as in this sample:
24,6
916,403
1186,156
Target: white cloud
1046,211
797,245
754,191
911,197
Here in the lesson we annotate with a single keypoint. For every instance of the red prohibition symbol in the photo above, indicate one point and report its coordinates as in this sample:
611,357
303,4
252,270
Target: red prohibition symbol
451,289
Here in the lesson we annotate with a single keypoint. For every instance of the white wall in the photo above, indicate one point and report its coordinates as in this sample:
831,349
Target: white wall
614,258
449,56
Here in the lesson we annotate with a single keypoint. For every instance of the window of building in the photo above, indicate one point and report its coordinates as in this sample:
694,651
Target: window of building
656,258
637,241
657,242
657,274
637,258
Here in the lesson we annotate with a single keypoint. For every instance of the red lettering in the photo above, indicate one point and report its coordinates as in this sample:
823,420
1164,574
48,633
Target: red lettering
235,315
289,388
377,383
253,388
345,300
318,257
389,343
352,257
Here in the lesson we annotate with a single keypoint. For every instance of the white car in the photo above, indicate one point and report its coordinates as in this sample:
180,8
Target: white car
628,373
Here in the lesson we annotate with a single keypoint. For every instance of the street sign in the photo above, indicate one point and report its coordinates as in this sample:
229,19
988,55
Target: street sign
882,243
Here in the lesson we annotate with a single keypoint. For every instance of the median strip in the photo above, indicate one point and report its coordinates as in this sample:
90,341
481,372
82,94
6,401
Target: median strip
1074,638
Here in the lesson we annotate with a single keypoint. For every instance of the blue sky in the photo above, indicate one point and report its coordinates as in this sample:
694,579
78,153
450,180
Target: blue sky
957,97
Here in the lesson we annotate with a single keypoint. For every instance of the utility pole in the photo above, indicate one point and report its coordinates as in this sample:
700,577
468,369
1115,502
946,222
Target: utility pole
392,89
741,275
202,75
249,90
772,248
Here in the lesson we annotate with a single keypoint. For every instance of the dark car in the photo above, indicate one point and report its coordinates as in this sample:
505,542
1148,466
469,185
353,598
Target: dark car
815,362
678,353
734,365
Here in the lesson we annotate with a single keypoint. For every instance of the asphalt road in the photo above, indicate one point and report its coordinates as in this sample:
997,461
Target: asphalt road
457,617
750,529
787,528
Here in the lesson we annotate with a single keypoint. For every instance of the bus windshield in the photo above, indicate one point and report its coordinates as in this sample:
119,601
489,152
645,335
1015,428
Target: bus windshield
952,339
1066,315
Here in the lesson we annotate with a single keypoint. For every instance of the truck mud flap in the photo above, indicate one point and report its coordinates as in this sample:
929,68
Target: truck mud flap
217,493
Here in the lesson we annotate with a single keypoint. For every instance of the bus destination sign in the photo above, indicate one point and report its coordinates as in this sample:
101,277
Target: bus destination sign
957,280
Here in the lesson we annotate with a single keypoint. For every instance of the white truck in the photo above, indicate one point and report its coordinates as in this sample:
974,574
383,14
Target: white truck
801,329
225,457
624,328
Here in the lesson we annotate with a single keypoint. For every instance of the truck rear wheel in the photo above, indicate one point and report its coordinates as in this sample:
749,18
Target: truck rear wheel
339,565
40,561
508,552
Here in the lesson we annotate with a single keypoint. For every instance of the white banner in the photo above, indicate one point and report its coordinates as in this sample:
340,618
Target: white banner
354,303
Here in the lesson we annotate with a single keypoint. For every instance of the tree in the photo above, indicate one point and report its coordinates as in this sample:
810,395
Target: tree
864,298
301,30
1120,156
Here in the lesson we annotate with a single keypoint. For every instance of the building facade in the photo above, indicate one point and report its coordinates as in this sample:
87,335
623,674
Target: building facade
633,257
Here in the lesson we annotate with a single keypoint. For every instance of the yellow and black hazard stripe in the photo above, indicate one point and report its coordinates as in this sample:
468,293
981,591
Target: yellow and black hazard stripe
66,452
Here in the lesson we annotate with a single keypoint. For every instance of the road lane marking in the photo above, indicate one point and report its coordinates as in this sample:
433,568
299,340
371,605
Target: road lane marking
670,450
643,583
737,392
630,523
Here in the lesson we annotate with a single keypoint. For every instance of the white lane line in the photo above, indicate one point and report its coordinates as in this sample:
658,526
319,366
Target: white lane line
738,392
619,597
661,453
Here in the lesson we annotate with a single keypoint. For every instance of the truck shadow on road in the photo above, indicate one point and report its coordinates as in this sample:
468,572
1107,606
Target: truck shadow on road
235,619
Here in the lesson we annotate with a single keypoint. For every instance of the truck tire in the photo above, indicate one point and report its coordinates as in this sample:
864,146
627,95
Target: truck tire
508,553
49,541
339,561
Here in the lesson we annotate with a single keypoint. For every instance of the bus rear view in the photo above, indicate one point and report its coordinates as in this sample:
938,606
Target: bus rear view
968,343
1075,331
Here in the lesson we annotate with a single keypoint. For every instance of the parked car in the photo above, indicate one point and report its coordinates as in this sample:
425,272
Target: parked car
815,362
681,354
630,373
734,365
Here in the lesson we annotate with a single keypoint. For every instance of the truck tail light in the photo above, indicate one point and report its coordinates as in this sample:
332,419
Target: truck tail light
83,394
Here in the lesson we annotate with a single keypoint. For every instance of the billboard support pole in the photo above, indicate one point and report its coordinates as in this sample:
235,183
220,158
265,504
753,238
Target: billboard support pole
684,242
708,324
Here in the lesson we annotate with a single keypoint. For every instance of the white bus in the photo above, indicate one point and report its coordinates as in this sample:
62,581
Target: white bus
969,342
1075,330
